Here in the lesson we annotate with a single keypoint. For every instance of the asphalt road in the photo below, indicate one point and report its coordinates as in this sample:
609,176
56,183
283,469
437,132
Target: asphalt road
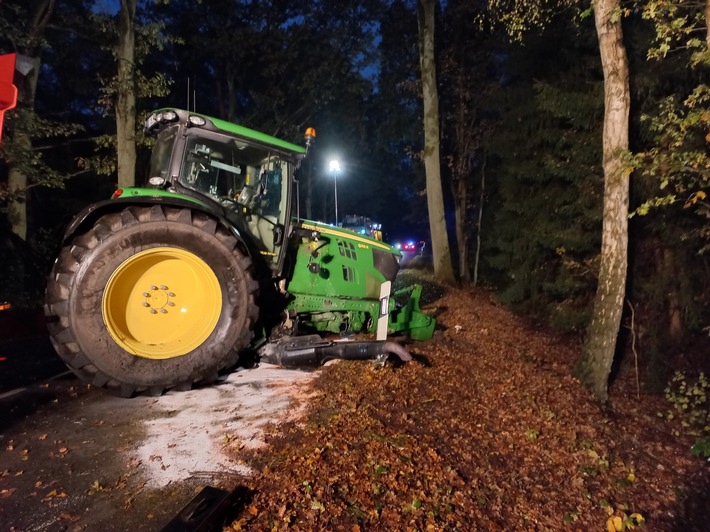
27,360
76,458
63,449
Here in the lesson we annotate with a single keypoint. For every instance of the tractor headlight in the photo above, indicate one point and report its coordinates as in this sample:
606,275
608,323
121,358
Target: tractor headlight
160,117
156,181
168,116
196,120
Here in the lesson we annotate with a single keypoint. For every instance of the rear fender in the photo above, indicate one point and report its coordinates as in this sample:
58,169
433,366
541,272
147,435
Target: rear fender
86,218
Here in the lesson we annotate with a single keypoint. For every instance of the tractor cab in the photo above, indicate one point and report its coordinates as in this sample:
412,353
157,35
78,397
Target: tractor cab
247,173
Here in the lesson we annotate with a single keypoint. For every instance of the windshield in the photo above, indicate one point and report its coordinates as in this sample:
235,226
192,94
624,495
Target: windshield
250,182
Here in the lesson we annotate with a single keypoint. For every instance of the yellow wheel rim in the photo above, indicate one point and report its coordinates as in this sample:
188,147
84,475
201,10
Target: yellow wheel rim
162,303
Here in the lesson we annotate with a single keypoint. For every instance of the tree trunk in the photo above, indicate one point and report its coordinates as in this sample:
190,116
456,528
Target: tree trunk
480,221
595,363
443,269
461,200
126,97
670,274
706,12
17,179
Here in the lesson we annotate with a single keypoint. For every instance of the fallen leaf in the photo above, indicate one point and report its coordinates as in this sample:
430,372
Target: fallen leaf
65,516
96,487
614,524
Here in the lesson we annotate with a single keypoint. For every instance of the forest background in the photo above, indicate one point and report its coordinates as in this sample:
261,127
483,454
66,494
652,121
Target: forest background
521,117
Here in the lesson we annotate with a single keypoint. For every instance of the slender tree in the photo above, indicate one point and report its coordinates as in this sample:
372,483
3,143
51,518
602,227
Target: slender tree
135,83
479,221
465,59
594,365
126,94
443,269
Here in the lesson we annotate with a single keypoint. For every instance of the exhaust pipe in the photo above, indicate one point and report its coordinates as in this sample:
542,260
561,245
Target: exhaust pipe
312,350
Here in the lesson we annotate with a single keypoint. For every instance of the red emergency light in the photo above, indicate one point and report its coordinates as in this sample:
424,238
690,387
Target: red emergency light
8,92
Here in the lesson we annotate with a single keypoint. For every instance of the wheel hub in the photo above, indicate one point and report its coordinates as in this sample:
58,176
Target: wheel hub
162,303
157,299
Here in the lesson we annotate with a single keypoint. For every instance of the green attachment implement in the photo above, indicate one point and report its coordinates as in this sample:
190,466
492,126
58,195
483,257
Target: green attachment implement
408,318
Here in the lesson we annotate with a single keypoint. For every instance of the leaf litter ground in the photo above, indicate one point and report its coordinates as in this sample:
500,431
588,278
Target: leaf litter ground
485,430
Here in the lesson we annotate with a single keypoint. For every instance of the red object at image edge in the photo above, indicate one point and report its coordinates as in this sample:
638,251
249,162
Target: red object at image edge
8,92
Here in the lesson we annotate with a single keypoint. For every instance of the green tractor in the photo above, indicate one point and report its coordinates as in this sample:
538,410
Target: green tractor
166,286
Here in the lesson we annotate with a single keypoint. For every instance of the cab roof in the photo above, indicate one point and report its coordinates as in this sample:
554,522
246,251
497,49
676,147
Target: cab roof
235,129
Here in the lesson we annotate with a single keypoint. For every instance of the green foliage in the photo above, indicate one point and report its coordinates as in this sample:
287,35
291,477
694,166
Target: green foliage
544,228
701,447
679,161
532,434
677,24
689,400
31,160
151,39
521,16
673,167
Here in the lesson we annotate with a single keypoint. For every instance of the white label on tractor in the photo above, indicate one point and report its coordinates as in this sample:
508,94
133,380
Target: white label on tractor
382,321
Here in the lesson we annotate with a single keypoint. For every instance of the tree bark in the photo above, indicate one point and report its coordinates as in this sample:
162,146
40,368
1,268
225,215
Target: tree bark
462,122
17,178
126,97
443,269
462,230
598,351
480,221
671,270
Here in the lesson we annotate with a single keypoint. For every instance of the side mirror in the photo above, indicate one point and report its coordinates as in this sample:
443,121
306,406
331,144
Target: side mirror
278,234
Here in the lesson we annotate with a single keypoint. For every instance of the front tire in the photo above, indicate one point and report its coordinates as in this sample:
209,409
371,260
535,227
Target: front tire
151,298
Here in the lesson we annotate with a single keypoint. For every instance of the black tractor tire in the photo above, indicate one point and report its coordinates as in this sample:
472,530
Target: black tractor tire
111,265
